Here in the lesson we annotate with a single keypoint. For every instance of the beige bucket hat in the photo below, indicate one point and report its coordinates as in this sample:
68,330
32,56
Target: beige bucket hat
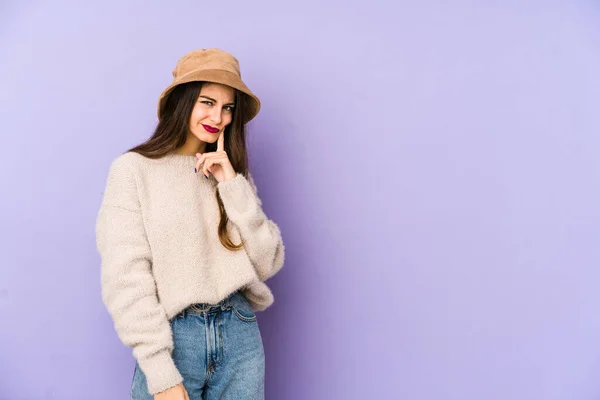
210,65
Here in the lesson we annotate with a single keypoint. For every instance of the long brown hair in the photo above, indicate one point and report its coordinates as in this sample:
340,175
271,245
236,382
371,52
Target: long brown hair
172,131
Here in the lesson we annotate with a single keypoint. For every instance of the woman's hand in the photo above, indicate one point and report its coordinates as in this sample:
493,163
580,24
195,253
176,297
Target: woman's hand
216,163
175,393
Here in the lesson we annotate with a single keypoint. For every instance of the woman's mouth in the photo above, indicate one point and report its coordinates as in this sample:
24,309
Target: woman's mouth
210,129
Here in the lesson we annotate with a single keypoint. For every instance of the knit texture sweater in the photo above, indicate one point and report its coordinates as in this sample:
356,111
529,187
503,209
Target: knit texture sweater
157,236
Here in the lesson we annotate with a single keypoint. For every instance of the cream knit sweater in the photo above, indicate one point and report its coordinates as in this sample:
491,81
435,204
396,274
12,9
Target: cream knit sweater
157,237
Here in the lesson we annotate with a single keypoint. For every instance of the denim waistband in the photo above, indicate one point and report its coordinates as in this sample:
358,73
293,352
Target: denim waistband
224,304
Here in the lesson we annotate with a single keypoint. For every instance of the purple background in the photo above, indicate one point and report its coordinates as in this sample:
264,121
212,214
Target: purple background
433,168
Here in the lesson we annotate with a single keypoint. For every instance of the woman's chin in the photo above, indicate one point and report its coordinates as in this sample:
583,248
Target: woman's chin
206,137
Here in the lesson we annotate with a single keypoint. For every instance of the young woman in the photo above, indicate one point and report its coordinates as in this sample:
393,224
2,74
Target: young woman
185,245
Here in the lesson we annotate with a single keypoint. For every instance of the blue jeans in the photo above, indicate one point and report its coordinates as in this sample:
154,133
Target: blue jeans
218,351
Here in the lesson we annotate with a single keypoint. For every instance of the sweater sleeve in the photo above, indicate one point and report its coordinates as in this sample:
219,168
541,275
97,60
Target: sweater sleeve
263,242
128,286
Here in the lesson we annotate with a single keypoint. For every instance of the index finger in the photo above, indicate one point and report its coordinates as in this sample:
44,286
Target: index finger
221,141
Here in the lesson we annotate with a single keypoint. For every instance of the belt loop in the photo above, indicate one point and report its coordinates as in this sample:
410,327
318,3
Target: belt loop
226,302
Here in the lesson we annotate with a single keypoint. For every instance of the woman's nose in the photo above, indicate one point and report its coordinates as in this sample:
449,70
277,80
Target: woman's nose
216,115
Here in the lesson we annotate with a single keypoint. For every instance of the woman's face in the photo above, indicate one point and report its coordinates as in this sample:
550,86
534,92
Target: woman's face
213,111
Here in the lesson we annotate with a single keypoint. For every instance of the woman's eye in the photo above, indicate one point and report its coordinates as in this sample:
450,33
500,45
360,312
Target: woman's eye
210,104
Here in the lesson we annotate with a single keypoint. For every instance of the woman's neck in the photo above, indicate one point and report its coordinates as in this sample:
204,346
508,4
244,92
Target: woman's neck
191,147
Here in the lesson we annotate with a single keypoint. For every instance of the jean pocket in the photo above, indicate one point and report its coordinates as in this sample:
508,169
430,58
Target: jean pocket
243,311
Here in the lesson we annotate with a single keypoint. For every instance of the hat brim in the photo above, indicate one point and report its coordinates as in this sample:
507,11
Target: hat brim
214,76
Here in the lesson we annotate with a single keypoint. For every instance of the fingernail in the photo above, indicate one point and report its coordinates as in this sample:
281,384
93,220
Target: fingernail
206,176
195,170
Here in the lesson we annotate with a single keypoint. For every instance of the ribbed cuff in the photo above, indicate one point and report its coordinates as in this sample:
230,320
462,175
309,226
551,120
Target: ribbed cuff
238,197
161,372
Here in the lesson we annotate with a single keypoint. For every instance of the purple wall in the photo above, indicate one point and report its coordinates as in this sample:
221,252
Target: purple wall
434,170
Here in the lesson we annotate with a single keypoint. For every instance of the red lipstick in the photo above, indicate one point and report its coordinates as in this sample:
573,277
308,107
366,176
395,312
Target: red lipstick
210,129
